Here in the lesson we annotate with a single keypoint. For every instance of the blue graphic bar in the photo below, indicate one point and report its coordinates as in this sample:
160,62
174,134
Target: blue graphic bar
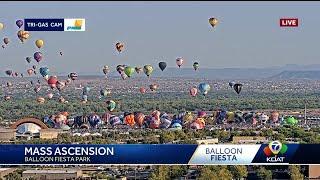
44,24
95,154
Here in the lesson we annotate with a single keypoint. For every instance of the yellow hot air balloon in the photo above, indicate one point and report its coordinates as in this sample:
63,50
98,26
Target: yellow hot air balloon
213,21
39,43
1,26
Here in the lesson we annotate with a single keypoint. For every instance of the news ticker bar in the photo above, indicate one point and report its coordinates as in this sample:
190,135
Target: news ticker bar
77,24
160,154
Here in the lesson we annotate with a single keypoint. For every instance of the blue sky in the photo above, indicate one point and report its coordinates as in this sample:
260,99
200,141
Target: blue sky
248,34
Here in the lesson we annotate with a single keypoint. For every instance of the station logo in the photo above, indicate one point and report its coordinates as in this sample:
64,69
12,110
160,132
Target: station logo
289,22
275,151
74,24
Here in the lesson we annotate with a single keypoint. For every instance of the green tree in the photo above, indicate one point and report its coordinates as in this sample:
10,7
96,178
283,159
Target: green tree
161,173
239,171
264,173
295,173
206,173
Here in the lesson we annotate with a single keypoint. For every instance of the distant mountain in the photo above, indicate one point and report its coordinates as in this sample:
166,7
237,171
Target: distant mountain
314,75
281,72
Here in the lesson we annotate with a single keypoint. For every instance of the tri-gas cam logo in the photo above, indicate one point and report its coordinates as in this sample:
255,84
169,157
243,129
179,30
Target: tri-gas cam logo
74,24
275,151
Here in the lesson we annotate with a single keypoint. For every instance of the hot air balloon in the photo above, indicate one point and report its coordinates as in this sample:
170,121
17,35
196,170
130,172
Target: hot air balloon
3,46
139,118
73,76
34,67
138,69
291,120
123,76
94,120
129,120
120,68
237,87
23,35
9,84
104,92
40,100
204,88
111,105
28,59
105,70
119,47
7,98
52,81
6,41
213,22
1,26
44,71
195,65
60,85
62,99
115,120
142,90
50,95
19,23
30,71
37,88
231,84
84,97
179,61
129,71
38,56
39,43
60,53
85,90
263,118
193,91
8,72
148,69
274,116
162,65
153,87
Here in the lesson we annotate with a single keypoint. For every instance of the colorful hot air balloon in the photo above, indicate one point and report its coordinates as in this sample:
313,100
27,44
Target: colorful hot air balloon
213,22
162,65
6,41
142,90
193,91
129,120
50,95
40,100
37,88
111,105
129,71
120,68
73,76
153,87
30,72
237,87
195,65
52,81
39,43
37,56
23,35
19,23
139,118
120,47
138,69
148,69
105,70
44,71
274,116
179,61
85,90
204,88
60,85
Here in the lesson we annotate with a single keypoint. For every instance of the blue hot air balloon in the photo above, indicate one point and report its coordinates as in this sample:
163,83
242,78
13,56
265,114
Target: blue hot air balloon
204,88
